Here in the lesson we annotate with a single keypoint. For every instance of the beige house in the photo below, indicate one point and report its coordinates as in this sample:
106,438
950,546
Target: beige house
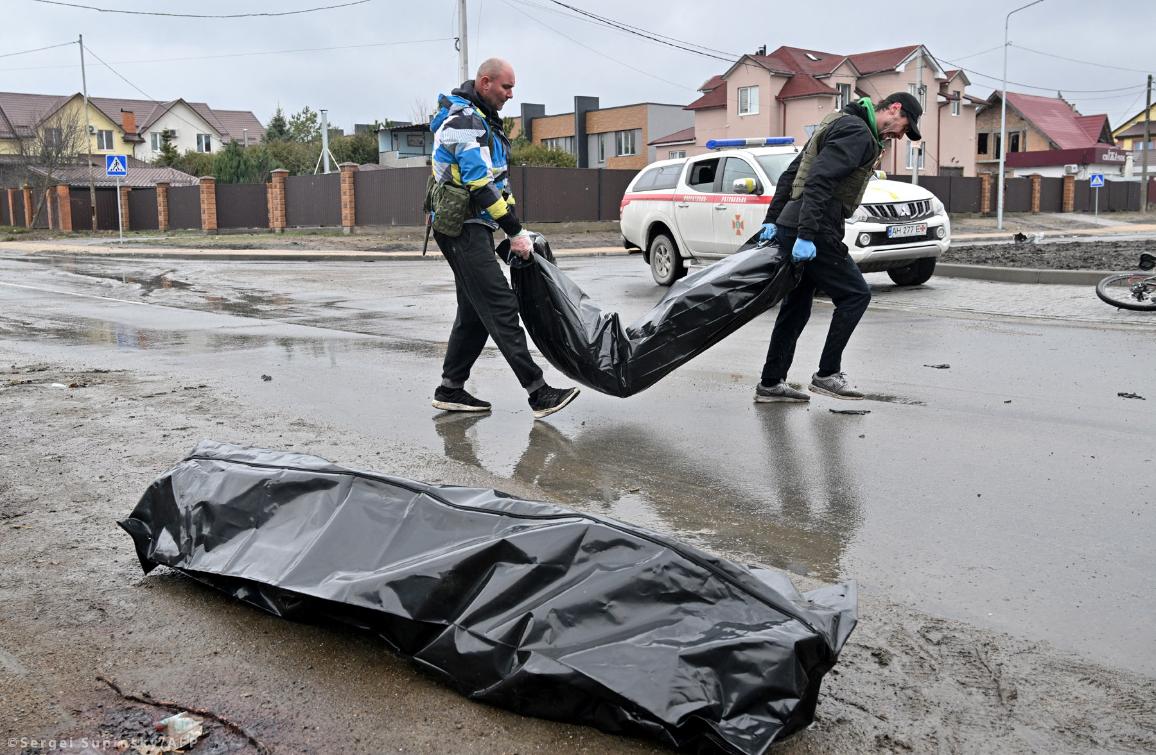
789,91
1130,134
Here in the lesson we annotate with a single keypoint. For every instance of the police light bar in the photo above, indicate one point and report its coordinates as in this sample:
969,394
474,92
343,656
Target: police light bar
762,141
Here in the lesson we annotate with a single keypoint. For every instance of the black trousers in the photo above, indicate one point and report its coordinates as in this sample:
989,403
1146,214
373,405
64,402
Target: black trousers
487,308
835,273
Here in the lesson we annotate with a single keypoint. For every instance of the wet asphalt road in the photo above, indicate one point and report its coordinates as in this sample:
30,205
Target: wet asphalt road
1012,490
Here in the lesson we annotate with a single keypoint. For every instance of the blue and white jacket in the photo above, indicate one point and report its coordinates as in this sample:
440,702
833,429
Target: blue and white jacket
471,150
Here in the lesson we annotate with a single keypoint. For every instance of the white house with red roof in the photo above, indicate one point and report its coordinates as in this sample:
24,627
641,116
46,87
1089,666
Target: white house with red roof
789,91
1047,136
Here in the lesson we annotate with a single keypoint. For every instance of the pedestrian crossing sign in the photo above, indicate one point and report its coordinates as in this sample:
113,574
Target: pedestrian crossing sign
115,165
1097,181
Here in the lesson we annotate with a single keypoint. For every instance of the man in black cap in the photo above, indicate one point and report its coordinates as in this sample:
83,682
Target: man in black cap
821,188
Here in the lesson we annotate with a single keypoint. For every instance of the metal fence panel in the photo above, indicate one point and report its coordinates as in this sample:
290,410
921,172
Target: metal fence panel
107,217
81,209
1083,198
313,201
965,194
939,186
1121,196
390,197
1017,195
142,210
5,212
1152,191
40,214
611,186
18,209
1051,194
558,195
242,206
185,207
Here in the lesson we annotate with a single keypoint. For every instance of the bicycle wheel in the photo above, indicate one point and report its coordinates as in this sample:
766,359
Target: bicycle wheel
1135,291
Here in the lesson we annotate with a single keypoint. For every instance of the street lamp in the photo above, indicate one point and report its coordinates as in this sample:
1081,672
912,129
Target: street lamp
1003,116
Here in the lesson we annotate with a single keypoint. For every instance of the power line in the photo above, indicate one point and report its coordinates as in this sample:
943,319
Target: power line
1077,60
243,54
593,50
37,49
977,54
197,15
639,32
1033,86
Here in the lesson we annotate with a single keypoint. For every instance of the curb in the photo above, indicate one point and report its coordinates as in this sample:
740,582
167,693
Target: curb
258,255
1021,274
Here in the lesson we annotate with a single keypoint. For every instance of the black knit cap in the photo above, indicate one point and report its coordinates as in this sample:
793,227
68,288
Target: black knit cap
911,109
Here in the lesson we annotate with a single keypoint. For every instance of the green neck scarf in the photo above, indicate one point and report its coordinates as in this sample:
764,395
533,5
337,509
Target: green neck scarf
870,108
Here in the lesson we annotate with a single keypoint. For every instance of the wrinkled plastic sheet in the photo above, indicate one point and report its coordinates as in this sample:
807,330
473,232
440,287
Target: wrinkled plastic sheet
594,347
520,604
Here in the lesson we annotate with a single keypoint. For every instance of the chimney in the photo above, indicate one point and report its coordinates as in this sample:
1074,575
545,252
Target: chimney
762,50
128,121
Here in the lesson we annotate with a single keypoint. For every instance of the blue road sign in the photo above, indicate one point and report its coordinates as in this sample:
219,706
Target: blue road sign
1097,181
115,165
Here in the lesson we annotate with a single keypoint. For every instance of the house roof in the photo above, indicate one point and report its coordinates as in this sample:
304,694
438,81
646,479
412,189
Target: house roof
803,86
711,83
881,60
138,177
717,97
22,111
1135,130
798,60
236,122
1051,115
678,137
1094,125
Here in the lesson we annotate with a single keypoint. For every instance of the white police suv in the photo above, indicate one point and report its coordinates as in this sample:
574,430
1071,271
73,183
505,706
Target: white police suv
705,207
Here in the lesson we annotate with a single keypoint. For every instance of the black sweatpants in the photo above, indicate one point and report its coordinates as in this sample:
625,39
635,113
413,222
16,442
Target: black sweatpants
486,308
835,273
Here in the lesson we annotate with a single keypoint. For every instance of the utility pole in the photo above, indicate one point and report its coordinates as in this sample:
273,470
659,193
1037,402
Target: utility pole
918,145
88,139
1147,143
325,139
1003,114
463,43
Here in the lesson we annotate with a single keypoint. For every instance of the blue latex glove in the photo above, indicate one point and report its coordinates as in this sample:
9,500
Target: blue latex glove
768,233
803,251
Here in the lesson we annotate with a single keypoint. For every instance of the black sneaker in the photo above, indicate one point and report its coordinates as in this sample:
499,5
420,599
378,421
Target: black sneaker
835,386
546,400
458,400
779,392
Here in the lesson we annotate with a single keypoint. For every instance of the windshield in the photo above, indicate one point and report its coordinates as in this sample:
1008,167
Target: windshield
774,165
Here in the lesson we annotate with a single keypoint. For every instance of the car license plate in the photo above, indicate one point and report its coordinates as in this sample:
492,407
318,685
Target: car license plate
903,231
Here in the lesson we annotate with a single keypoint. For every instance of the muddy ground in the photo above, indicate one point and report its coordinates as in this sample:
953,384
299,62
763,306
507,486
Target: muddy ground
1100,254
81,443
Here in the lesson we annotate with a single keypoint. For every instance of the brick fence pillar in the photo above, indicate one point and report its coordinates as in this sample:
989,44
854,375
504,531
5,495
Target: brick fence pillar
64,208
208,204
985,193
125,218
348,196
11,206
1036,185
27,190
1069,194
162,206
277,214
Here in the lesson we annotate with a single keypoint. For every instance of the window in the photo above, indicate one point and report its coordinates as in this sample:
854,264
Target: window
104,140
646,180
204,142
844,98
53,138
601,148
998,144
914,150
667,177
157,140
955,105
810,129
981,144
1013,142
625,143
702,175
561,143
734,169
774,165
918,92
674,153
748,100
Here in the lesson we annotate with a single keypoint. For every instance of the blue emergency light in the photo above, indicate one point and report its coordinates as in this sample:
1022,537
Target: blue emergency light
762,141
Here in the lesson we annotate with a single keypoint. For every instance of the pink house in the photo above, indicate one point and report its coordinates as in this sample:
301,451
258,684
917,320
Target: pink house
790,90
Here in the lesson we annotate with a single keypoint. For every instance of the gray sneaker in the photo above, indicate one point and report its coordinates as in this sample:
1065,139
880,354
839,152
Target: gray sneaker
835,386
779,392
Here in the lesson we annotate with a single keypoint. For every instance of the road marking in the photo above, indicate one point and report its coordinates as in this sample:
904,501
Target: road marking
88,296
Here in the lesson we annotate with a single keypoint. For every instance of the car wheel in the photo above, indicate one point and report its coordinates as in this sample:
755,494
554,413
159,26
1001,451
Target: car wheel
665,263
914,274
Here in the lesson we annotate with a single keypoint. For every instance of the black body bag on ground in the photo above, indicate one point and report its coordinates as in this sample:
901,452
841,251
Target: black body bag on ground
596,349
524,605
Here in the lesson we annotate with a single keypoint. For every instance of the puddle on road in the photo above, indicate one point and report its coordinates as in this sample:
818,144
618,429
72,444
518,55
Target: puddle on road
890,399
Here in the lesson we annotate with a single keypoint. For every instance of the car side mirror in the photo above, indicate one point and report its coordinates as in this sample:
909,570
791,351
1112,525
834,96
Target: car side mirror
881,175
744,186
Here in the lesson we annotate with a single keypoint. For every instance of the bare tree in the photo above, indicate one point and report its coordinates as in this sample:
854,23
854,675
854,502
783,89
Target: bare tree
420,111
53,143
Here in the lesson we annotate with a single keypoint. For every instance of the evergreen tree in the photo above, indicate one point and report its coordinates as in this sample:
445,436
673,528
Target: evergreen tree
278,128
305,126
169,155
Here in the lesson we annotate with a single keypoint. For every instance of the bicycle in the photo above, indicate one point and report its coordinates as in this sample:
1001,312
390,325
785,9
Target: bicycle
1136,291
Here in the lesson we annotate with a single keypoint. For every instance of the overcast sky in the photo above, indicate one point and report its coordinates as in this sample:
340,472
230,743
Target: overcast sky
556,54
